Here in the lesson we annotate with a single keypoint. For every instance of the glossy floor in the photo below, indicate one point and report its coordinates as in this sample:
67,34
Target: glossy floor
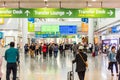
56,69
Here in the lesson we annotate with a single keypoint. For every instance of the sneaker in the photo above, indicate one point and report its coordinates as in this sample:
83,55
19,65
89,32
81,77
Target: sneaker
112,74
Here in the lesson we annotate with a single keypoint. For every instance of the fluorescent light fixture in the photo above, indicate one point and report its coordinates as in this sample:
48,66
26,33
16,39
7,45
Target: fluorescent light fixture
46,5
89,5
45,0
93,0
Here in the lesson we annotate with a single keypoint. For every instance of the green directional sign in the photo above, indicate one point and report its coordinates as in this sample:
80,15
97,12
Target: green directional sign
31,27
40,33
57,13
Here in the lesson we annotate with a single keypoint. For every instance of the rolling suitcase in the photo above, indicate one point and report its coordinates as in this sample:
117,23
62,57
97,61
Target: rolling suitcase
70,74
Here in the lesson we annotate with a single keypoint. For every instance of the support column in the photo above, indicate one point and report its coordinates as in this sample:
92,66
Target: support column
24,30
90,31
24,41
76,39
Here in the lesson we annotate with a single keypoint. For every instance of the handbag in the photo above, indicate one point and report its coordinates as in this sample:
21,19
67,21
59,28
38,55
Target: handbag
86,64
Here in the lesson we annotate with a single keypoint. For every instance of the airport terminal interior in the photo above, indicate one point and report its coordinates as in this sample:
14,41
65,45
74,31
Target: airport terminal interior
48,35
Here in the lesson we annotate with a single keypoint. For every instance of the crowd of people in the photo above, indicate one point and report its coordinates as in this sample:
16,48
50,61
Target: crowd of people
46,49
51,49
79,51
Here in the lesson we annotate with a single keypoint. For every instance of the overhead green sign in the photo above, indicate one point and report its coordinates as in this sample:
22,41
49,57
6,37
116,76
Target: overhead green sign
57,13
31,27
41,33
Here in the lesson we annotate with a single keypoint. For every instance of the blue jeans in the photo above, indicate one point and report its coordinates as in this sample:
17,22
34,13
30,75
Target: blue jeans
55,54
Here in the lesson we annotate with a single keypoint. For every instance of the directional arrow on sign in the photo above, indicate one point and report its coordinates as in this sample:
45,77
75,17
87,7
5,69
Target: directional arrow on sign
69,13
110,12
27,12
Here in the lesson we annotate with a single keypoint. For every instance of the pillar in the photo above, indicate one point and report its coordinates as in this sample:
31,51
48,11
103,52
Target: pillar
24,30
76,39
24,26
90,31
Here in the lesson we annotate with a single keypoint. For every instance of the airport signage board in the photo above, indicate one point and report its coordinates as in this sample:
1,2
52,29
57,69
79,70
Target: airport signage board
41,33
1,35
54,36
31,27
57,13
50,28
68,29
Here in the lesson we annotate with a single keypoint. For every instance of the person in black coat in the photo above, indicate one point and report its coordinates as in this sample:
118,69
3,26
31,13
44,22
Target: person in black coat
118,60
80,65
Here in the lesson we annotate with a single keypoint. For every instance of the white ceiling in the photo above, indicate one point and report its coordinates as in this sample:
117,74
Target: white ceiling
60,3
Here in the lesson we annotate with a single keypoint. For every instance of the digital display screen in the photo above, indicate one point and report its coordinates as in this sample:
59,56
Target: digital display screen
68,29
50,28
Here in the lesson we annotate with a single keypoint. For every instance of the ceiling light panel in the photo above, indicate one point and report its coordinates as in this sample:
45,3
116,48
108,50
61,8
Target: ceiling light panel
94,4
74,5
11,5
53,4
114,4
32,5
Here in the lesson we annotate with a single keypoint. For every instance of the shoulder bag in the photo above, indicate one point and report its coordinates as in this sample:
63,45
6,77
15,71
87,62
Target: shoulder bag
86,64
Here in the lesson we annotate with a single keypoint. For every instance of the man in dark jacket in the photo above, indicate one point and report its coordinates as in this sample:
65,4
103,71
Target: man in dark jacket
80,64
11,56
118,60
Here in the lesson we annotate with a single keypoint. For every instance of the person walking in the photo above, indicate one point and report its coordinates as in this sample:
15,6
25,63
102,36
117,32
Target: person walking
26,48
32,50
112,60
40,48
55,50
80,60
61,49
44,50
91,47
12,57
118,60
36,50
96,49
50,48
64,49
75,49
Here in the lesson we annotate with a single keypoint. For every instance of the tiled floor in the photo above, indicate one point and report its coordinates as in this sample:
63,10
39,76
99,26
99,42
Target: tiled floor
56,69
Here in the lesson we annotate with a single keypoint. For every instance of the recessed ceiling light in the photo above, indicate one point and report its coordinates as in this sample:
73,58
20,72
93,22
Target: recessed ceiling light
45,0
93,0
46,5
89,5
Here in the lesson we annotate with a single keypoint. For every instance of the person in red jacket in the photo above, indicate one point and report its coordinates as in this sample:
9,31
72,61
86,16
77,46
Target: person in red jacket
44,50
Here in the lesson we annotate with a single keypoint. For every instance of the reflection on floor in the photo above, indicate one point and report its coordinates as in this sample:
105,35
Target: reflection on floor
56,69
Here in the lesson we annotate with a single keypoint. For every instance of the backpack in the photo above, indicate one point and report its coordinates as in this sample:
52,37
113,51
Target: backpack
26,48
44,49
55,48
50,48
